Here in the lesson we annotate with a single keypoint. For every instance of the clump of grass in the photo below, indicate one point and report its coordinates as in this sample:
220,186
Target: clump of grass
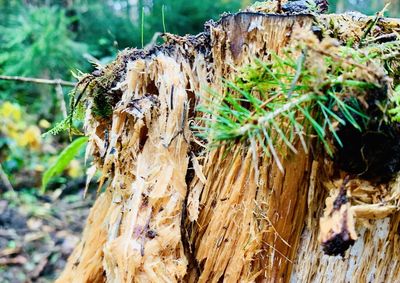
308,91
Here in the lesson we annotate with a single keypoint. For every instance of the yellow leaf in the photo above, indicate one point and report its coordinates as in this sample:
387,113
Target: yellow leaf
43,123
10,110
30,138
75,169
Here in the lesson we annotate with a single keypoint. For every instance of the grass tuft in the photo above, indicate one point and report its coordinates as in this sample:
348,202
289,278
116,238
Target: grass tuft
304,93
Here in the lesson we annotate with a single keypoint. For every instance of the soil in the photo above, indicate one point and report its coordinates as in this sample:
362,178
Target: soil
372,153
38,233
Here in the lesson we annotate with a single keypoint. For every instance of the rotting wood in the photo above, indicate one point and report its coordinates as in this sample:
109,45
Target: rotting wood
170,214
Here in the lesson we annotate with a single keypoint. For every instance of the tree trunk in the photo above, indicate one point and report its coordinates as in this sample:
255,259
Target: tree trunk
171,211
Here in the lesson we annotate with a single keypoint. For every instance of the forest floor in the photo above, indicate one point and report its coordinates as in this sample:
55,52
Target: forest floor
38,233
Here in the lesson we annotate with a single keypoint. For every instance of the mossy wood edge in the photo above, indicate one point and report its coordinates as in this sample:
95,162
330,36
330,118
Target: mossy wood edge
169,214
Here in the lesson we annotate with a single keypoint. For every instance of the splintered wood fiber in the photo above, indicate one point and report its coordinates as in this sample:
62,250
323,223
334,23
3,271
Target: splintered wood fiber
251,214
374,257
172,212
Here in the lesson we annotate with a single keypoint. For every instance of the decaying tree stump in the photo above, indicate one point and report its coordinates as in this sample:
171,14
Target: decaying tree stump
172,211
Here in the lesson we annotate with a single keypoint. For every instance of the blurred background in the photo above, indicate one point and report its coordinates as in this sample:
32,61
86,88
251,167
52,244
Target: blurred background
52,39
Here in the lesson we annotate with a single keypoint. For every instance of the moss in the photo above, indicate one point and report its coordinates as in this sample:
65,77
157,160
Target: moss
102,106
100,85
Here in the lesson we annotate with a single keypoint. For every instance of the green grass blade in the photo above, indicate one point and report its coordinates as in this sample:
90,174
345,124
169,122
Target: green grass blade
273,151
283,137
63,160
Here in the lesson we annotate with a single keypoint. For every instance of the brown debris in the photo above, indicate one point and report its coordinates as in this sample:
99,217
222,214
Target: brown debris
337,230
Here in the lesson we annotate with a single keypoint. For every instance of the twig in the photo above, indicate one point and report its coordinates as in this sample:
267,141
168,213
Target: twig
371,25
383,38
153,41
37,81
18,260
60,96
93,60
40,266
271,115
336,57
4,179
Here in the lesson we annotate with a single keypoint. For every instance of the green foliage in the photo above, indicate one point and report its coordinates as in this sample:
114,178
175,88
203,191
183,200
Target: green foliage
368,7
39,37
105,26
395,109
66,125
109,26
72,122
64,158
278,102
49,39
37,42
185,17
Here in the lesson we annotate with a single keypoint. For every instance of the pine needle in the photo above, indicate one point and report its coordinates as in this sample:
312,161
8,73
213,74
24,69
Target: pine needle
280,101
